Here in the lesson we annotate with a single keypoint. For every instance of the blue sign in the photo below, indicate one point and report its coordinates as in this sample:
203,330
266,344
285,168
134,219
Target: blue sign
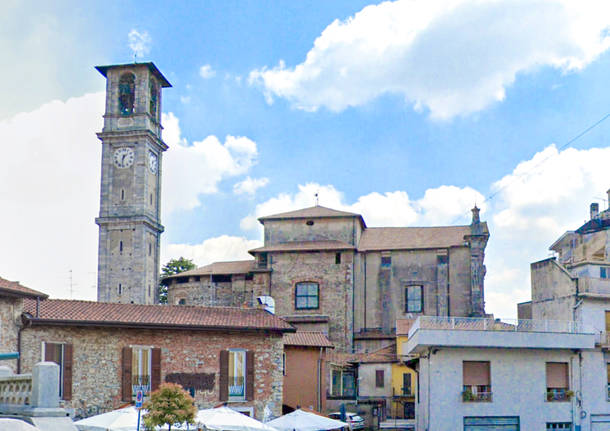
139,399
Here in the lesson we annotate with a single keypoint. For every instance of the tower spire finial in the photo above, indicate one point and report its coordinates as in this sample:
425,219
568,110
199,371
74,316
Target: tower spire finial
316,195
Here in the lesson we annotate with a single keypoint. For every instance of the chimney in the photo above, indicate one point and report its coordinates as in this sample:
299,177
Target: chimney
594,210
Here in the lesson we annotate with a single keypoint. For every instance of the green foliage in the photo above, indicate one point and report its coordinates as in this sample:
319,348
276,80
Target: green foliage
174,266
169,405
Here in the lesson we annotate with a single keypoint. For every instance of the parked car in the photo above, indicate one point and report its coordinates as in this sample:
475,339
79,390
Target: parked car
354,421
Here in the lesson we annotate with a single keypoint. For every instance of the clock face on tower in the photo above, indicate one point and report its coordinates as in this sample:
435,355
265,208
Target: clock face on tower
123,157
152,162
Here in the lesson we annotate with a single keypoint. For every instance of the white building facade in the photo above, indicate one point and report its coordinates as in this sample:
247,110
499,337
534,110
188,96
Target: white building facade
486,374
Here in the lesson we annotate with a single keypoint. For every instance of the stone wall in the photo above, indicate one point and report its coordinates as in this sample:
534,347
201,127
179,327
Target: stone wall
10,312
335,289
96,381
346,229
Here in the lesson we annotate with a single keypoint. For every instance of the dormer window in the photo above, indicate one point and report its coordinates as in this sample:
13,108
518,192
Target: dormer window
127,93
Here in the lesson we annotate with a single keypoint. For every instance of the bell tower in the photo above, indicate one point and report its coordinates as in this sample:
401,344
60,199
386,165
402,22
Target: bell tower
129,220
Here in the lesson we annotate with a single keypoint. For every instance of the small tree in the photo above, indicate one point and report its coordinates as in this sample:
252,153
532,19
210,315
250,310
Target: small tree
174,266
169,405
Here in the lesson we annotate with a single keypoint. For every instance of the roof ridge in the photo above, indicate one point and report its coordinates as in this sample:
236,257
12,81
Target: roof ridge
214,307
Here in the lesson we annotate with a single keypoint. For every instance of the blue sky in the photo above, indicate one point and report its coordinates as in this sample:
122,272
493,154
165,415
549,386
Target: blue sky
408,112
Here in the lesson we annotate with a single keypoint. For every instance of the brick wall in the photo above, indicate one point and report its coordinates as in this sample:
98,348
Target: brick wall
96,382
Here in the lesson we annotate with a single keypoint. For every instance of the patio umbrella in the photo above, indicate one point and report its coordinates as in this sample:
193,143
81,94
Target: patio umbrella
226,419
299,420
117,420
16,425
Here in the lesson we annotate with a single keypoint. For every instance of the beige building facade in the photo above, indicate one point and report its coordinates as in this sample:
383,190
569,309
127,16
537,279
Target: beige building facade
327,271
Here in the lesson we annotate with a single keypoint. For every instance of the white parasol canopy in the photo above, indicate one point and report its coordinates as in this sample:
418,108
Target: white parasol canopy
300,420
16,425
226,419
117,420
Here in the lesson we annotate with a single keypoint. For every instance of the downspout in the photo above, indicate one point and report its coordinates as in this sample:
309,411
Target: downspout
429,394
319,381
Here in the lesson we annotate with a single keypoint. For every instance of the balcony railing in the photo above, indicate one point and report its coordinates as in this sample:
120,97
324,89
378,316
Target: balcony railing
403,392
597,286
488,324
469,396
560,394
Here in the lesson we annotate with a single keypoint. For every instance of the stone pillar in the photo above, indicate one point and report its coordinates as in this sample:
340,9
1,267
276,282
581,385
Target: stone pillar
477,241
45,385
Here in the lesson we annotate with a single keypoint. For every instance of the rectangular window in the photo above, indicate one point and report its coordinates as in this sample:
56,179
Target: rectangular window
61,354
558,426
343,383
557,381
337,258
307,296
237,375
476,379
379,377
141,369
406,384
386,261
414,299
604,272
284,363
262,260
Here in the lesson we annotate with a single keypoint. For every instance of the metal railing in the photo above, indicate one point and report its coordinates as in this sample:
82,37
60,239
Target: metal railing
488,324
470,396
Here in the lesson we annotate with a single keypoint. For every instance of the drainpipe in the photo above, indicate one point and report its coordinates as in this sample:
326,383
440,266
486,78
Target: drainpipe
429,394
319,380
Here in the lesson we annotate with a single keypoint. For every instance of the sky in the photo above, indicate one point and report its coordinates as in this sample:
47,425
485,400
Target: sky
408,112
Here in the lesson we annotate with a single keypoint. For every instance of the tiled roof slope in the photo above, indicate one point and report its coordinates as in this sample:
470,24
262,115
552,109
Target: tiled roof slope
307,339
70,312
401,238
312,212
306,245
13,288
230,267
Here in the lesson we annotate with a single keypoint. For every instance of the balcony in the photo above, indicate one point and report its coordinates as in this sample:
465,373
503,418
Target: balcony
474,394
431,331
558,394
403,392
596,287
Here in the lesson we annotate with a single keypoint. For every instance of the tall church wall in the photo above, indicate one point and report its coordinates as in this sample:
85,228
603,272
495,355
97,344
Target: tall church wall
335,289
459,282
336,229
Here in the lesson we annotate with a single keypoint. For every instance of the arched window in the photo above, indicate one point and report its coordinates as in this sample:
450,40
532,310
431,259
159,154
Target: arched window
307,296
127,93
153,99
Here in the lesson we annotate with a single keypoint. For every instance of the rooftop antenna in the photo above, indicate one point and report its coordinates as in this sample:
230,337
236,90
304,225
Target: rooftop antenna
317,199
71,284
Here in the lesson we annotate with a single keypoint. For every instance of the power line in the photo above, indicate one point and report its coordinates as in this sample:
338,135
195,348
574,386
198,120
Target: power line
525,174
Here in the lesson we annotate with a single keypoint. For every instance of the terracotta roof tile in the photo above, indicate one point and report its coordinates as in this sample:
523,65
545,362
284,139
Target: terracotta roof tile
71,312
307,339
13,288
311,212
305,246
403,326
341,358
405,238
229,267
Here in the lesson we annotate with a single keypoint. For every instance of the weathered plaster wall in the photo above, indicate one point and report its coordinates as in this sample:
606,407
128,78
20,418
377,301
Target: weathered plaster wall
553,291
337,229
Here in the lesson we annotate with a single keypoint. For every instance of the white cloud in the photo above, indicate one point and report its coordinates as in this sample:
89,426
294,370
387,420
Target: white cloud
206,71
192,170
443,205
541,199
452,57
50,188
216,249
249,186
139,42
